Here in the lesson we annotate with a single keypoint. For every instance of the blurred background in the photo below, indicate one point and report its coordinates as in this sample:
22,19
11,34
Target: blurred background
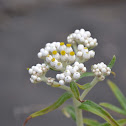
27,25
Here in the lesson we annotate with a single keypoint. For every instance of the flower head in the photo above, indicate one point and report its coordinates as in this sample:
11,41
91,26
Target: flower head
68,58
101,70
71,73
82,37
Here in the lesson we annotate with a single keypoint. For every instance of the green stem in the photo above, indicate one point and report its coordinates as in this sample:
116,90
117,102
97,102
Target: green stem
65,88
75,47
93,83
78,112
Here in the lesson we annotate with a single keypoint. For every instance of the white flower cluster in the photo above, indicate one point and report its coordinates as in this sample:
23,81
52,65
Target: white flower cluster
71,73
82,37
37,72
101,70
83,54
57,54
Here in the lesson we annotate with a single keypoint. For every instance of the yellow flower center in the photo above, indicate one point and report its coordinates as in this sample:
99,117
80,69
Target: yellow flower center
61,43
85,48
58,63
68,45
53,59
54,52
48,55
72,53
63,52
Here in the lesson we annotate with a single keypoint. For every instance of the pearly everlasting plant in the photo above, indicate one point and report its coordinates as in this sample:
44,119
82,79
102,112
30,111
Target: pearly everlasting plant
69,59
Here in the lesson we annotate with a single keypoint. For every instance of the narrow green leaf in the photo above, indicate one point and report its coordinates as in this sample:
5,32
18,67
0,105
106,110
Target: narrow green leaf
121,122
113,108
52,107
91,122
119,95
69,112
98,110
75,90
87,74
112,62
85,86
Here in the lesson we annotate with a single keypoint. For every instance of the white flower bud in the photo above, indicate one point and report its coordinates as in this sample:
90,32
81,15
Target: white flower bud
79,53
45,53
39,55
80,47
32,81
76,75
38,79
30,71
42,50
58,76
76,68
68,79
67,73
92,53
84,70
81,66
68,67
62,76
61,82
72,70
86,56
76,31
88,33
33,77
76,64
48,59
101,78
103,70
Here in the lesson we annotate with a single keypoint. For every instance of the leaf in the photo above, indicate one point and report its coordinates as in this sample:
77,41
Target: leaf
85,86
98,110
75,90
113,108
112,62
52,107
122,122
91,122
119,95
69,112
87,74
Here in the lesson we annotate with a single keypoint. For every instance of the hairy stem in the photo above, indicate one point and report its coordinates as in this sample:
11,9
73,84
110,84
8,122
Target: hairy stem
75,47
93,83
65,88
78,112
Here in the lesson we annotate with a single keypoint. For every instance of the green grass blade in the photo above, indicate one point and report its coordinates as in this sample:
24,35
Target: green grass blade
98,110
119,95
113,108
